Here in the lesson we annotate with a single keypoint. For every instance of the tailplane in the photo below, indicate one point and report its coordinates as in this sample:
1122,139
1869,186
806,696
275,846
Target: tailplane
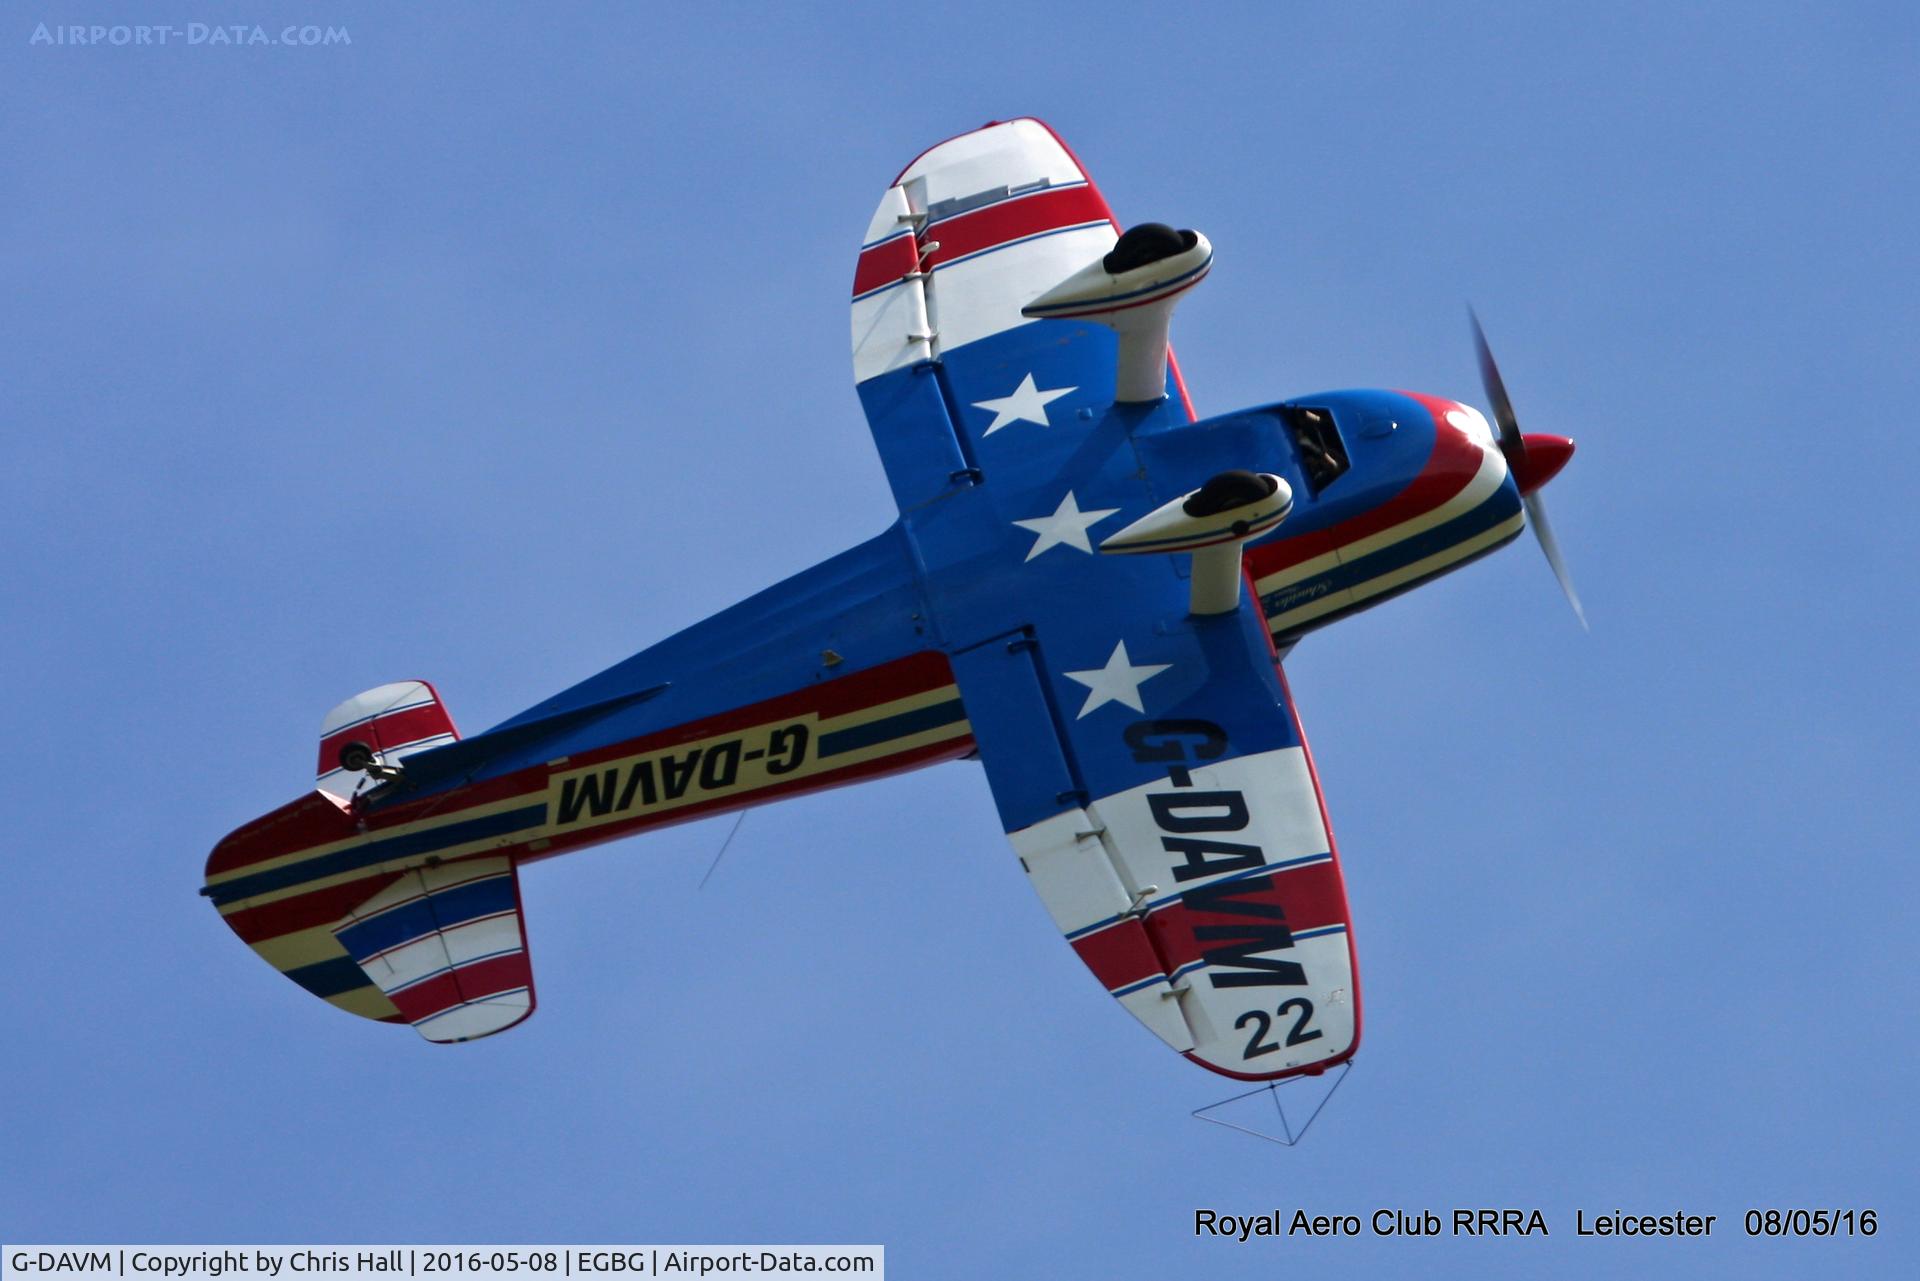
390,927
365,738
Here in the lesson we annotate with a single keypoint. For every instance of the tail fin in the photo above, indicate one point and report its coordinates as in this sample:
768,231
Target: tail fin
378,728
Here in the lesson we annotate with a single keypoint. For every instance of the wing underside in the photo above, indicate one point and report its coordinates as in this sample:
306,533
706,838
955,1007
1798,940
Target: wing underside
1146,764
970,233
1196,878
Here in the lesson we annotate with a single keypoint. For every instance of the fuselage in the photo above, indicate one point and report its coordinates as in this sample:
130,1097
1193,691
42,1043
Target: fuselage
1418,488
841,673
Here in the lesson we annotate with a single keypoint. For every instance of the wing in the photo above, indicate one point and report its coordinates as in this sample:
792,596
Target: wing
1164,807
1146,763
968,234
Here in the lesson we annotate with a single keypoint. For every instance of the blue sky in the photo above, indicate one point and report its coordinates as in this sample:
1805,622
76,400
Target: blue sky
426,355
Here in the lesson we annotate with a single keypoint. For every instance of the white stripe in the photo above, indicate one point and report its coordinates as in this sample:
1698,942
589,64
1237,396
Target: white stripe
1421,568
472,1020
379,701
1013,154
1086,880
443,950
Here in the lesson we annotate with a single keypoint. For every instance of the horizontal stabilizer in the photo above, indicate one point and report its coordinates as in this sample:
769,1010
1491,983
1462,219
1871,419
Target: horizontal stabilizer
446,947
378,729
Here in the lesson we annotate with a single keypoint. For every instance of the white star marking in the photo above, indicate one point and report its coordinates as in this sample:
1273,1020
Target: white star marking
1067,527
1027,404
1118,682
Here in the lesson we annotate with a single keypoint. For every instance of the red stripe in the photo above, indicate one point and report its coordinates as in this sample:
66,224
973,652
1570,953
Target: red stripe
1449,469
1309,897
394,729
1173,365
884,263
305,911
328,906
978,230
1333,847
299,824
996,224
1120,955
473,982
315,820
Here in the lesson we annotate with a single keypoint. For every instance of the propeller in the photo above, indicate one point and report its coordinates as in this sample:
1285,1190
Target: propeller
1533,459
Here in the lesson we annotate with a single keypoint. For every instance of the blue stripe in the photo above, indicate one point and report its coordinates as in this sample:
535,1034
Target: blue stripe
1431,541
1498,507
891,235
1174,977
441,911
1135,987
891,727
330,978
1322,932
880,289
375,852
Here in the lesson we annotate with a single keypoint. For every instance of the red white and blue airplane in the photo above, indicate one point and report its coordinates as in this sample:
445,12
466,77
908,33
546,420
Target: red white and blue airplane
1086,589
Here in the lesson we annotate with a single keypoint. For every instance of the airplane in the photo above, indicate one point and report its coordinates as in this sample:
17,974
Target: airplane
1086,589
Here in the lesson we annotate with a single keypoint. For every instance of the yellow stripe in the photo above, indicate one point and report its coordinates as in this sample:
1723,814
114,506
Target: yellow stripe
368,1002
1428,564
1399,577
1319,605
302,947
880,711
862,716
1486,479
745,777
1296,573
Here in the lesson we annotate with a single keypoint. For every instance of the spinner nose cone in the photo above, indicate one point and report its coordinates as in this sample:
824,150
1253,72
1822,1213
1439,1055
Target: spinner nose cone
1541,460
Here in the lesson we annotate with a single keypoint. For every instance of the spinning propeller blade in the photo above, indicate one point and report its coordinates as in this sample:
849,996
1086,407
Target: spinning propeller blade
1542,530
1531,468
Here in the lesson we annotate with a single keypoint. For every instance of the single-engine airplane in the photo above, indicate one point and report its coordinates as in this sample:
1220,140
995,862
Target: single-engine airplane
1086,589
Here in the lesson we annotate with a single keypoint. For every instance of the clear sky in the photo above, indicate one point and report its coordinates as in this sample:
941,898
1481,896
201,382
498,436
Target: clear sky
500,343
